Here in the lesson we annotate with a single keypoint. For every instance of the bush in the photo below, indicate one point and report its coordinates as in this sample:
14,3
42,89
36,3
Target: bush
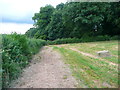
35,44
85,38
16,53
95,38
102,38
115,38
64,41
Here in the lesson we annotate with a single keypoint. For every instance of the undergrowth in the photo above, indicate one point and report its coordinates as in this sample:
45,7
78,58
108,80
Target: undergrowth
17,50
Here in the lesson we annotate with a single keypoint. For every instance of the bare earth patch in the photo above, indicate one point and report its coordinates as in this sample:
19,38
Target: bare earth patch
46,71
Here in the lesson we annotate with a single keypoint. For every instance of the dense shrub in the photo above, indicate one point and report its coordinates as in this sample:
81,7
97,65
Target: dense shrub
95,38
16,53
115,38
34,45
65,41
85,38
102,38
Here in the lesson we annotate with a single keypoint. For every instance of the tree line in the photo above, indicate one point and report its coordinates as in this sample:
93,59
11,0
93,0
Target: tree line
76,20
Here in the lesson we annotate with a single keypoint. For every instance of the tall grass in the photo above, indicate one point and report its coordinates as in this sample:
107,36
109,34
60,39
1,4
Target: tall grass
16,53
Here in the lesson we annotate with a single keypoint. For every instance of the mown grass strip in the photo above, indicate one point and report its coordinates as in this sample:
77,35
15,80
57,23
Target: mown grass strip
93,47
89,70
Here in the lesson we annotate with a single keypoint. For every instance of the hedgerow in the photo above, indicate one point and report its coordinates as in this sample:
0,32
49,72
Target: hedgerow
64,41
83,39
16,53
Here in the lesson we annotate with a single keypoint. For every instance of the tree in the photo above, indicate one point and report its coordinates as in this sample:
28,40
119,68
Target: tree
76,19
111,24
81,18
56,28
43,18
31,32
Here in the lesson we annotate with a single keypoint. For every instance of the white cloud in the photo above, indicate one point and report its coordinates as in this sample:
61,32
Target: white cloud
22,8
8,28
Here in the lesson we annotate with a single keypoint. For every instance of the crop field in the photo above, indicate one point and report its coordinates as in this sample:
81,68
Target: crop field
87,67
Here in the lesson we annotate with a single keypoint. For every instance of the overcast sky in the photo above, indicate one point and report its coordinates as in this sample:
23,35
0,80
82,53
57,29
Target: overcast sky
16,15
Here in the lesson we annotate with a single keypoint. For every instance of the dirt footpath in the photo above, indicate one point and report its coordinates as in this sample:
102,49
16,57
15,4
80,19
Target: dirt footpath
46,70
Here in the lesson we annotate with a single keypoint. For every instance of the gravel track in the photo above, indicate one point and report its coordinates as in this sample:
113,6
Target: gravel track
46,70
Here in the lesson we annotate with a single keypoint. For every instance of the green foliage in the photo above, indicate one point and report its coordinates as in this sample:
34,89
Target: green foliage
58,30
115,38
65,41
42,19
85,38
16,53
75,19
22,41
31,32
103,38
34,45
